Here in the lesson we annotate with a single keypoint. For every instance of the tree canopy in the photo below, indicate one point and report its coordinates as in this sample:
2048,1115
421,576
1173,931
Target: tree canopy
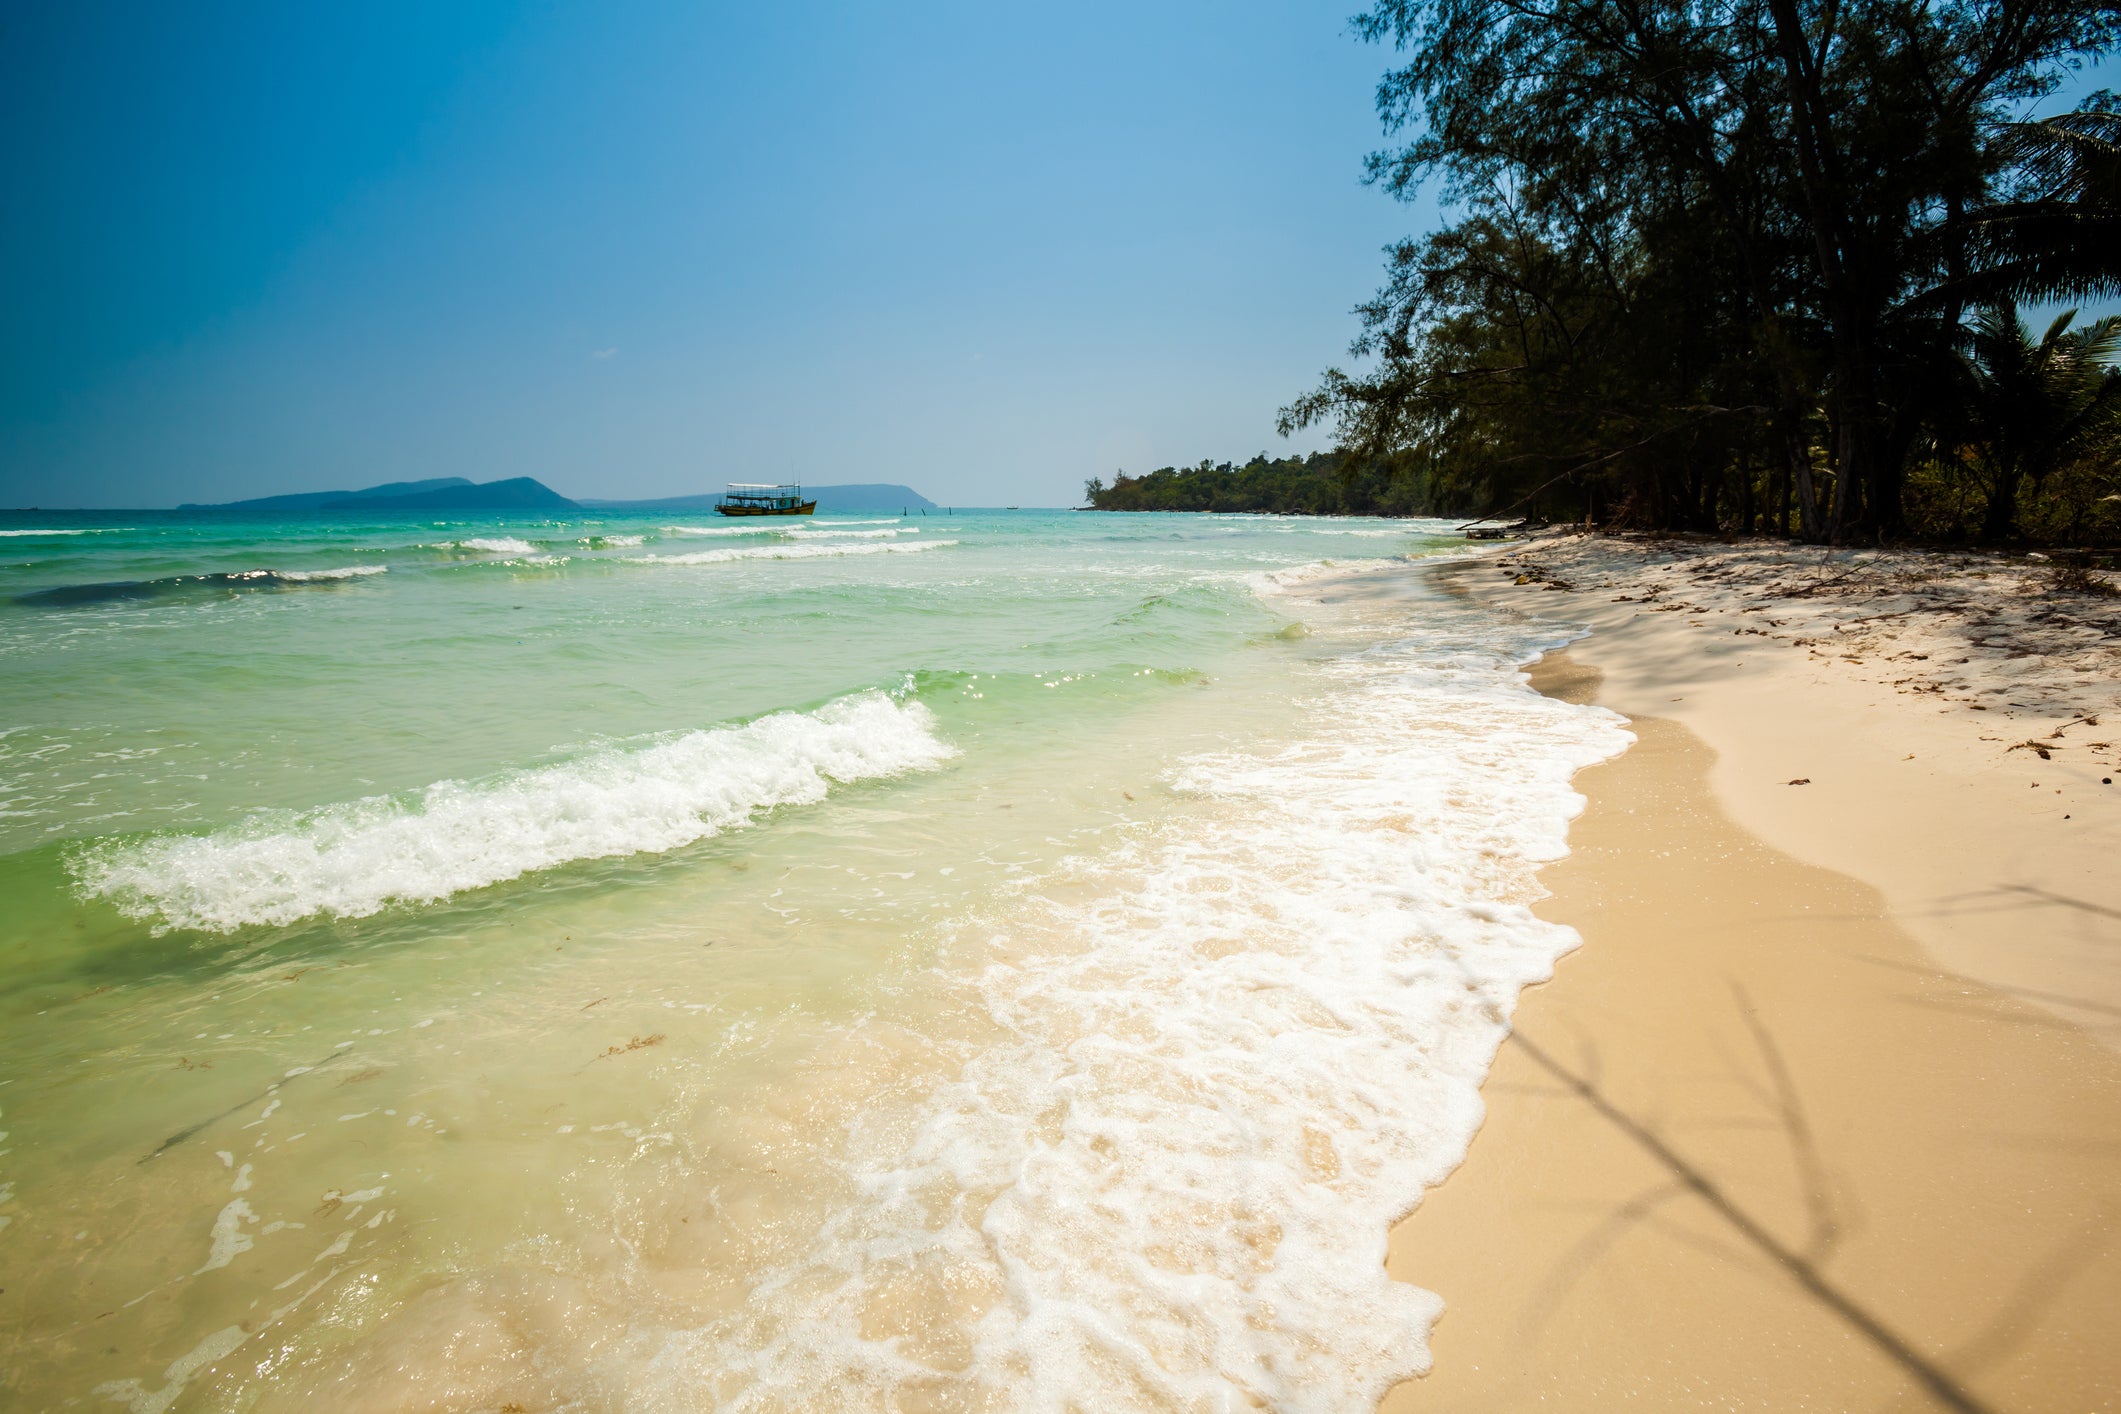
1324,483
1728,263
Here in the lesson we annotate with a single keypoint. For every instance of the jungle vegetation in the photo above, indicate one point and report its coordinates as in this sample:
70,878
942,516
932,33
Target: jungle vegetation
1321,484
1751,265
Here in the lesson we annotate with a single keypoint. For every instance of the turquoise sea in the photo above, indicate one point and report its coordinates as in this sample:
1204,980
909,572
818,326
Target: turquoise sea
995,961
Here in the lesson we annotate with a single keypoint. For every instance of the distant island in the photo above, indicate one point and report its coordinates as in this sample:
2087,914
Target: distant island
1324,483
452,493
525,493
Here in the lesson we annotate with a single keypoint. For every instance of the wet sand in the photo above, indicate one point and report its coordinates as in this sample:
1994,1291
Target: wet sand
1755,1147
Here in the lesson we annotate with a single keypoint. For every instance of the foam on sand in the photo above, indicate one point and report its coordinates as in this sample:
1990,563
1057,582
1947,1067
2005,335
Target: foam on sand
1183,1085
787,552
356,858
1221,1076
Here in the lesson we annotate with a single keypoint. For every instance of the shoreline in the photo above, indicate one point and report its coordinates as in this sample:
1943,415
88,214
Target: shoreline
1767,1140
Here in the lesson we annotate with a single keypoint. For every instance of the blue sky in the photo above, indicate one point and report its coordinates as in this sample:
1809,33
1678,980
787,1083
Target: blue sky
645,248
642,249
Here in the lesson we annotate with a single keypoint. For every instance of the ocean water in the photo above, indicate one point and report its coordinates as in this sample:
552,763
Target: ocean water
998,961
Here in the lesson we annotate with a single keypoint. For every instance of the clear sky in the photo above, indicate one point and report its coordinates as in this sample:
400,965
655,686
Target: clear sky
645,248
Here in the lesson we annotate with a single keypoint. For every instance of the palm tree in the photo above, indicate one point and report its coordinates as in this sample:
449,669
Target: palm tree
2036,405
2062,238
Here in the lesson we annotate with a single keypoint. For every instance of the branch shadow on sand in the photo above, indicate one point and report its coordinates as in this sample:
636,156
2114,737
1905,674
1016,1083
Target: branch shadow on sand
1804,1264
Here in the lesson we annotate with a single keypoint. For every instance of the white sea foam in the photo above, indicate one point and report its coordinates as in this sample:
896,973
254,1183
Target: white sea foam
354,859
1390,528
96,531
139,1399
498,545
1269,583
1220,1077
823,532
787,552
812,527
343,572
622,542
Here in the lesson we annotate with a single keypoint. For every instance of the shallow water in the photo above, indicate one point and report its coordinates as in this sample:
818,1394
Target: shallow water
625,962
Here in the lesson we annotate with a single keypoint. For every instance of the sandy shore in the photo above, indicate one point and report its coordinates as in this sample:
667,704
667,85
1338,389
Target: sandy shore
1826,1113
1957,722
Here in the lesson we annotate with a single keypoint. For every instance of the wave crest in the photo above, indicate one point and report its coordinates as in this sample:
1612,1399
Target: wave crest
787,552
356,858
343,572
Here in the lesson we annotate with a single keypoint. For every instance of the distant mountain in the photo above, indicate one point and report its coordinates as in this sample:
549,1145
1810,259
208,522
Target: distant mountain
869,496
519,493
445,493
523,493
314,500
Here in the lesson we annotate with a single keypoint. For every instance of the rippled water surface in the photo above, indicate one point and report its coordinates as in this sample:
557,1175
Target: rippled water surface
990,961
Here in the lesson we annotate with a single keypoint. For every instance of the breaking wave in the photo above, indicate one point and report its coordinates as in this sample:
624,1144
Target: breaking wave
317,576
123,590
1232,1052
354,859
787,552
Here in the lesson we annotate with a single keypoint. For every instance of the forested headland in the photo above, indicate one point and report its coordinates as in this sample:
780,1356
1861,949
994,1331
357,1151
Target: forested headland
1321,484
1743,265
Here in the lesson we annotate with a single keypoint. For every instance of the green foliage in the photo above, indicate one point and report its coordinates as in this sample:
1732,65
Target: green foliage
1324,483
1710,263
2036,407
2060,233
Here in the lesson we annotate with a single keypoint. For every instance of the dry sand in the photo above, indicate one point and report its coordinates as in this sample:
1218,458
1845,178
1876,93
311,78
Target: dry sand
1956,720
1783,1136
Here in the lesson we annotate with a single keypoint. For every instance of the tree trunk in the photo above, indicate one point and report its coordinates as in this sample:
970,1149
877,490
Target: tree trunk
1800,475
2001,518
1782,498
1854,399
1745,491
1885,508
1839,517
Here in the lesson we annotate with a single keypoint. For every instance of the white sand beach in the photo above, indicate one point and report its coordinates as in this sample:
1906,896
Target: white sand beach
1824,1113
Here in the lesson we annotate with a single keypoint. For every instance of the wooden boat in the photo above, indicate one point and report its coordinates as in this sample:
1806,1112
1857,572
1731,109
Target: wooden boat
745,498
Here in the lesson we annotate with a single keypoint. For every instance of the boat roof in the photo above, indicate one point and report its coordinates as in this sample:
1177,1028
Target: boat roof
762,486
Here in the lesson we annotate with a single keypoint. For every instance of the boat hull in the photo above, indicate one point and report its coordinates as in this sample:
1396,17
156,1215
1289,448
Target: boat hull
806,508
